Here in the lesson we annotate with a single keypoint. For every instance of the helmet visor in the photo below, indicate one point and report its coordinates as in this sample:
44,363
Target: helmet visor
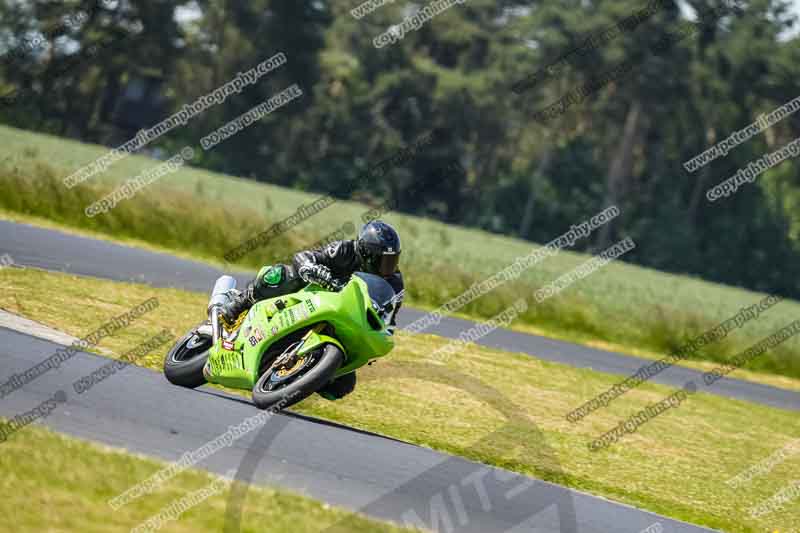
387,264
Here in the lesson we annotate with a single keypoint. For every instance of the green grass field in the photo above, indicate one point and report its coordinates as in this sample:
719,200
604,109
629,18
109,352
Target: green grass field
676,464
200,214
57,484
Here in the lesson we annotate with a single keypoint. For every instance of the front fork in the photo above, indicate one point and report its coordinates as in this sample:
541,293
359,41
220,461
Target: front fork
290,355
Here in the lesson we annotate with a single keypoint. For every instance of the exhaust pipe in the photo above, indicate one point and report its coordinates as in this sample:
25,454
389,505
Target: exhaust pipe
217,300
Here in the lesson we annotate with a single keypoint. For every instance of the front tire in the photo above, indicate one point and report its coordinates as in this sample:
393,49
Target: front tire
184,363
267,394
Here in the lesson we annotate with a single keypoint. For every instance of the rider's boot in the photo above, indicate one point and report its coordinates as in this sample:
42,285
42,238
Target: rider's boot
238,303
339,387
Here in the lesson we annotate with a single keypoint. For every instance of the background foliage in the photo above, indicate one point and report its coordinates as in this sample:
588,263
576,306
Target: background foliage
625,144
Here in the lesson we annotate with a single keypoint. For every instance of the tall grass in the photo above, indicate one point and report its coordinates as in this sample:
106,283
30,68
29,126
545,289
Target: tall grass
206,214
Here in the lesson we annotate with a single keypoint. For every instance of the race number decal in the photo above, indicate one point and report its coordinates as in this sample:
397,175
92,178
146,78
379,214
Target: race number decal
257,337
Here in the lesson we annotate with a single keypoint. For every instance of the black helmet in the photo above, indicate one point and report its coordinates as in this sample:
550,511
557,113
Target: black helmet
378,246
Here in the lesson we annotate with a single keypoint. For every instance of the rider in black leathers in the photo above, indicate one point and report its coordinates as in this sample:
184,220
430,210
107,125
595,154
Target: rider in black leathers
375,251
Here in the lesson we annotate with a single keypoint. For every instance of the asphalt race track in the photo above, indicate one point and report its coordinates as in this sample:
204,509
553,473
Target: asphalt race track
53,250
138,409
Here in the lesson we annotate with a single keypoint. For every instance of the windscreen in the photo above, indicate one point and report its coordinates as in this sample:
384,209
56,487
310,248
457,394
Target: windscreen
379,291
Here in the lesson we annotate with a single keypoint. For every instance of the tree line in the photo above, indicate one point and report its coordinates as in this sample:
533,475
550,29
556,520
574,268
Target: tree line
479,74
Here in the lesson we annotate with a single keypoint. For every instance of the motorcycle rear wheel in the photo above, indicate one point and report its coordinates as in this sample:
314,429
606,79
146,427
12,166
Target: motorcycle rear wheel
184,363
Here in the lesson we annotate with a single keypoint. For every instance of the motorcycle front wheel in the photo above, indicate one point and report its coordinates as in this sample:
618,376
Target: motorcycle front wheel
287,386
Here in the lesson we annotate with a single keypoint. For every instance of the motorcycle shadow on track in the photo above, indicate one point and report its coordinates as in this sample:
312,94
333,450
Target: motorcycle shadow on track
437,482
291,415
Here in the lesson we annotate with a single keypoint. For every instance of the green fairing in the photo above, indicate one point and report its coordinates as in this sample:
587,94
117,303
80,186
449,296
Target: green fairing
345,310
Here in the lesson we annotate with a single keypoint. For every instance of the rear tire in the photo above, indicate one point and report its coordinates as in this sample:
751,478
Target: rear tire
184,363
304,385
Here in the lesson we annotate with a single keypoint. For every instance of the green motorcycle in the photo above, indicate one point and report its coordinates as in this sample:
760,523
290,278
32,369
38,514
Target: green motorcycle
286,348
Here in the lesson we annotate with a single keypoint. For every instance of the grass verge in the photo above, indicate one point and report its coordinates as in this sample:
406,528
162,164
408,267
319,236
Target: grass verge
620,305
55,483
676,465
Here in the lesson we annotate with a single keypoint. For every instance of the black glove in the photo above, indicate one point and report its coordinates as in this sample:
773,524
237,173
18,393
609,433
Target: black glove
321,275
